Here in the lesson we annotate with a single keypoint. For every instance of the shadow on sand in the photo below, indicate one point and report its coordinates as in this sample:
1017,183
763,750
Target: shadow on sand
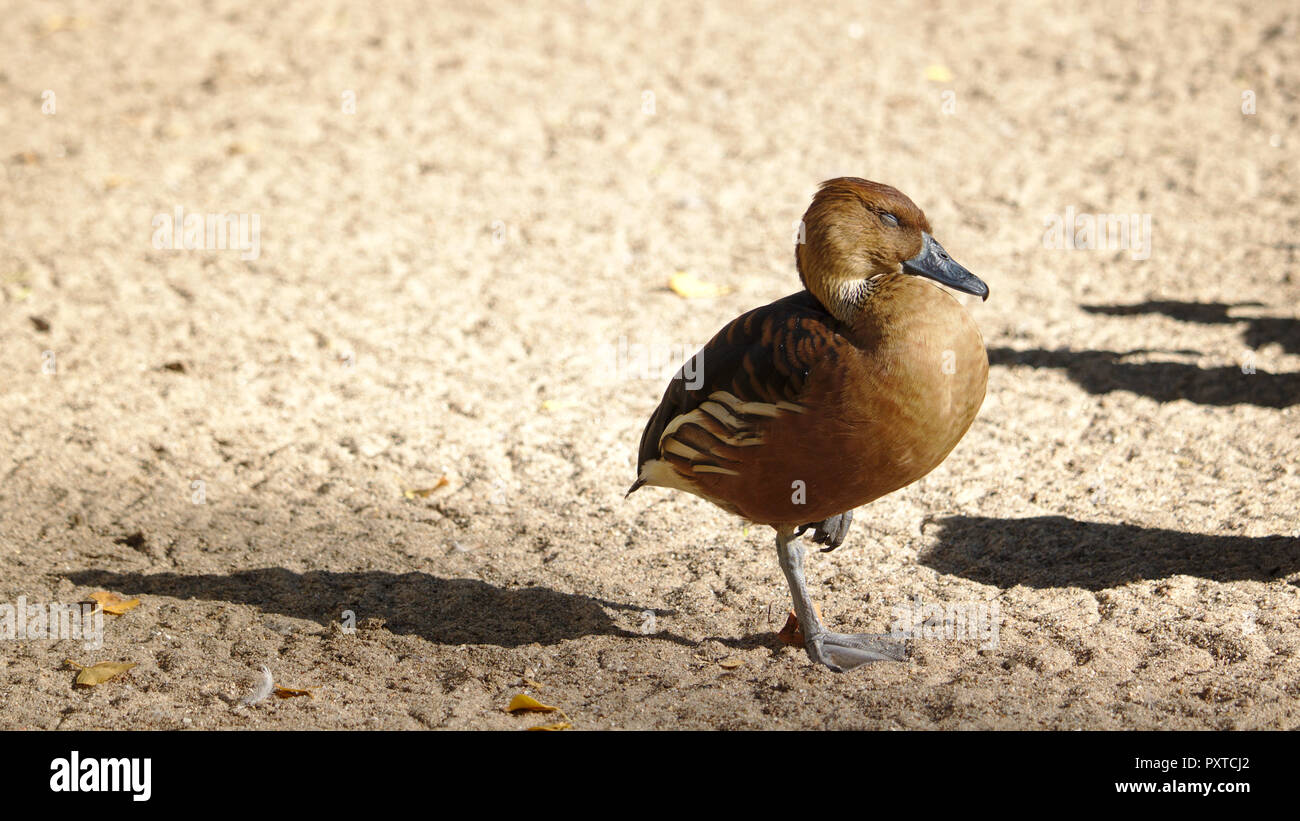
1103,371
445,611
1259,331
1055,551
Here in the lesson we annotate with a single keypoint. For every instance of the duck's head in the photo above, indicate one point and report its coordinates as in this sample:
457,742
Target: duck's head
856,232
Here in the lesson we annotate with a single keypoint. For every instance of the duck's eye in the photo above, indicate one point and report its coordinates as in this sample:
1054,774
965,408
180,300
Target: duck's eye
889,219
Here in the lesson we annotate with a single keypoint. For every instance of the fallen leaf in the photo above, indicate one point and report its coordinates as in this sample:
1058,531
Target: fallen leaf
291,692
692,287
559,725
62,22
792,634
113,603
731,663
522,703
100,673
425,492
558,404
938,74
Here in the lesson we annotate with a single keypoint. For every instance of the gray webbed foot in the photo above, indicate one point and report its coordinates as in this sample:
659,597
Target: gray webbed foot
845,651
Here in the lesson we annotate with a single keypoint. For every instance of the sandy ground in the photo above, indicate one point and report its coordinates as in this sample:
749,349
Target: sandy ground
467,222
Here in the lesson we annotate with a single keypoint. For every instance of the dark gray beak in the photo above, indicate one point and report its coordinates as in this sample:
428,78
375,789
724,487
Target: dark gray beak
934,263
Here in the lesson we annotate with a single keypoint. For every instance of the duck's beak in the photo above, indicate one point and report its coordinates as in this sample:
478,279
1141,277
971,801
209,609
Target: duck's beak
934,263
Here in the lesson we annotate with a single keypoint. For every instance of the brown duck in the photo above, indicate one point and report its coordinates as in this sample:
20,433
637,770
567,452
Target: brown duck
833,396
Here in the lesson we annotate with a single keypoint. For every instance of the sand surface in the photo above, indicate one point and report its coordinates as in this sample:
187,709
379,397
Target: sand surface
467,221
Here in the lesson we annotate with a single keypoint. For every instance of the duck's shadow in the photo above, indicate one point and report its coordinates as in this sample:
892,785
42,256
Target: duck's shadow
444,611
1055,551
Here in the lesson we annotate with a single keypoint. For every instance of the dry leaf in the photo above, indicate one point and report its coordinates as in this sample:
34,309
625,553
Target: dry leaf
426,492
791,634
692,287
113,603
291,692
938,74
522,702
731,663
100,673
62,22
559,725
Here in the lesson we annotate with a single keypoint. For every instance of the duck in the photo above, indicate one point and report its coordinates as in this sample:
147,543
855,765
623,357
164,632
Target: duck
802,410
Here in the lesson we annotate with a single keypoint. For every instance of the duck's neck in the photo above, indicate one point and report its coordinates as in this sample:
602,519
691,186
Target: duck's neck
844,299
871,309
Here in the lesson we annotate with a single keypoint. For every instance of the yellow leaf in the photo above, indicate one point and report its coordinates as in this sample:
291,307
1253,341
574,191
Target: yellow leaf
558,404
100,673
559,725
527,703
113,603
61,22
938,74
692,287
426,492
291,692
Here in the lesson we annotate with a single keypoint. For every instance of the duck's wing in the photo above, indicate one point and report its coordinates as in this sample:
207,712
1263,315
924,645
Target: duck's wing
754,370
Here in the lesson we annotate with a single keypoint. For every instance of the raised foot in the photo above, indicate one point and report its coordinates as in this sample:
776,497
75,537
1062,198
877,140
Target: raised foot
844,651
830,532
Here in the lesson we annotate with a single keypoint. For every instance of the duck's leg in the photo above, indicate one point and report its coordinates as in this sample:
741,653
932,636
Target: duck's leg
838,651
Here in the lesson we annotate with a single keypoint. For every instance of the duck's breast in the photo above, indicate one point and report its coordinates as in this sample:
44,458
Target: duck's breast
915,385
